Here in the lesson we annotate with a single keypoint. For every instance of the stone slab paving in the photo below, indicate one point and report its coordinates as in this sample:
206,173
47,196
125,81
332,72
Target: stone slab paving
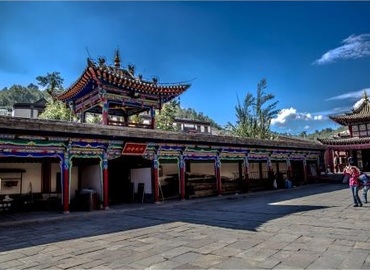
309,227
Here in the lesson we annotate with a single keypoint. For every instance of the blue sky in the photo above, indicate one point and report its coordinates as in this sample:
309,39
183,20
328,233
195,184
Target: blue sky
315,56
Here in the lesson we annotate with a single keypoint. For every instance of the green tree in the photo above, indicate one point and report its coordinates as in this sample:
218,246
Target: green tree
93,118
190,113
165,119
137,119
55,109
52,81
254,115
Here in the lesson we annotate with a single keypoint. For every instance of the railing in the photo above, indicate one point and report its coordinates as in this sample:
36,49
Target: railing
128,124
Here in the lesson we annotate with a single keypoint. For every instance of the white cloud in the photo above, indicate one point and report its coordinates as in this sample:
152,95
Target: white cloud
351,95
283,115
291,114
353,47
306,127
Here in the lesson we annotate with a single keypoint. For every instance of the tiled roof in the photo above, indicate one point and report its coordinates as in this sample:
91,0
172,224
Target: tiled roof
345,141
60,129
114,76
357,115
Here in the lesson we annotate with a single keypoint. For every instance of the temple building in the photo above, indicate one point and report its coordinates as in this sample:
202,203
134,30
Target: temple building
45,163
355,142
117,94
29,110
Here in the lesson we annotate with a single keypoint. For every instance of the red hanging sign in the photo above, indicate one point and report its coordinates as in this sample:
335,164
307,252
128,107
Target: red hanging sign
134,149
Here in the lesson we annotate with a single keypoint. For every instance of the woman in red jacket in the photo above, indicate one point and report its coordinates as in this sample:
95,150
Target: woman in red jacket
354,184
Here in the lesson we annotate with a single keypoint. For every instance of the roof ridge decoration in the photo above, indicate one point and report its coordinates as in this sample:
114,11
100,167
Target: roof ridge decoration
364,107
117,59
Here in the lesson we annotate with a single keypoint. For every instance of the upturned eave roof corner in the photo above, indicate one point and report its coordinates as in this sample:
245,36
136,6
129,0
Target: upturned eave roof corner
100,73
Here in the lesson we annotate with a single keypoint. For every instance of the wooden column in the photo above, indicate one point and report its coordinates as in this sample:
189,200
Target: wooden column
126,119
289,168
152,115
246,172
182,177
305,171
155,179
105,183
65,184
105,107
218,175
240,170
331,159
83,117
240,177
270,169
45,177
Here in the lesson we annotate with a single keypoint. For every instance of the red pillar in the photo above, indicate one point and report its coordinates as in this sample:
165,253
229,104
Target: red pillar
155,179
182,177
218,176
105,185
66,195
104,111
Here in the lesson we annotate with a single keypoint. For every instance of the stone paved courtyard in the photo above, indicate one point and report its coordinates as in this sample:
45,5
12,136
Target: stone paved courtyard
310,227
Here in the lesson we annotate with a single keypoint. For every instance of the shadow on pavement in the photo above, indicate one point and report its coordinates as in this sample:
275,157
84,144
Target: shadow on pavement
244,212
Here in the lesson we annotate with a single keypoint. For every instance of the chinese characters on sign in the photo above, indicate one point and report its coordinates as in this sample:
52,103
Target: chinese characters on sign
134,149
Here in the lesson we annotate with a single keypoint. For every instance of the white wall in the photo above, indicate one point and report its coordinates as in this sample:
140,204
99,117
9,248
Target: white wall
142,175
25,113
32,177
55,168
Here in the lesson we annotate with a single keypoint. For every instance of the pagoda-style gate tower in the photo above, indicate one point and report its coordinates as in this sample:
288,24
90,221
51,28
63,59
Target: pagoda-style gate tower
117,94
356,143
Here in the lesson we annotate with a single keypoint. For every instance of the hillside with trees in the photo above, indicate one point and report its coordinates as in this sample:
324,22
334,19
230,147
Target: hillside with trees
171,110
18,93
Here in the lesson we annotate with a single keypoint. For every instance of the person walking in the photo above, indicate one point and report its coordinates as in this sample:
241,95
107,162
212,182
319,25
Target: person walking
354,184
346,174
365,184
